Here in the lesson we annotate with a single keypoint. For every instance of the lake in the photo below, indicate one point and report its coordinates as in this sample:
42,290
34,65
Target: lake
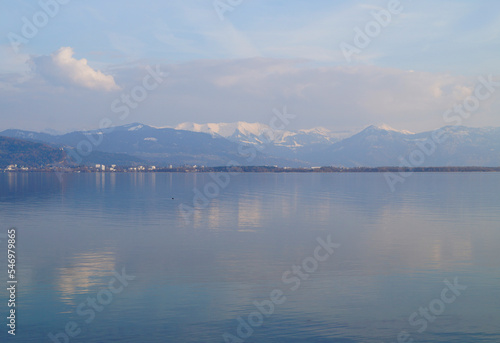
167,257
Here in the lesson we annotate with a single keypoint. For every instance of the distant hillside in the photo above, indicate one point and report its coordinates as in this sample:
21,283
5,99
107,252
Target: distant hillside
382,146
28,154
106,158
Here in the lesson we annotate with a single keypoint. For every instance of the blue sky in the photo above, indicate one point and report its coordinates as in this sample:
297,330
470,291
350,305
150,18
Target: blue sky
263,54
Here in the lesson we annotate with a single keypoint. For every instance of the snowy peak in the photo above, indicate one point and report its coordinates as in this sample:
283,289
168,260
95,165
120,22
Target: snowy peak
316,130
385,127
225,130
260,134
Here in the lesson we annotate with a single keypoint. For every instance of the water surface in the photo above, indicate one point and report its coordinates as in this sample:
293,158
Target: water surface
194,279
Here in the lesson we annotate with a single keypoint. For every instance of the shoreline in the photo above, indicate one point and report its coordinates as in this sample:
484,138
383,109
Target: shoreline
262,169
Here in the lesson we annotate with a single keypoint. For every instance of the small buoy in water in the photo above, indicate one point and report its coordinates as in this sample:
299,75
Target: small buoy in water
172,198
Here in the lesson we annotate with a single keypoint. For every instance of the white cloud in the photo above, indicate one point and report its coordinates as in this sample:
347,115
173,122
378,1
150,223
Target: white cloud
63,69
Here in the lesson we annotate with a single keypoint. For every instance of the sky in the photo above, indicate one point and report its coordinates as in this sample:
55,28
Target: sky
73,65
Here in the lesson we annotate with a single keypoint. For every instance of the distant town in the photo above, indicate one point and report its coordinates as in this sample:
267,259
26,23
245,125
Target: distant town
101,168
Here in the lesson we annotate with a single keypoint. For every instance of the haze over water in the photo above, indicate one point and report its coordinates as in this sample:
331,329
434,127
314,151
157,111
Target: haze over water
193,280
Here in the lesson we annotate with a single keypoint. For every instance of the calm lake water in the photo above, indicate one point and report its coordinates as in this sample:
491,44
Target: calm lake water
196,281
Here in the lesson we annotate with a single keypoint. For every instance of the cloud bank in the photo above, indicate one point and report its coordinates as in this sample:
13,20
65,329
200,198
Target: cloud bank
335,97
62,68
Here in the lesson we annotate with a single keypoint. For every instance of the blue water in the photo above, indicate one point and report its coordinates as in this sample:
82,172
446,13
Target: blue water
197,271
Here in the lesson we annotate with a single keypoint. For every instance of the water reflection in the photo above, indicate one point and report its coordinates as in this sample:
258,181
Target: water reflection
249,212
194,279
83,275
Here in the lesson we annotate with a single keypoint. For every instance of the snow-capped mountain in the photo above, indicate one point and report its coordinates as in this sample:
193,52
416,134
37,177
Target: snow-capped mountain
386,127
261,134
217,144
162,146
248,133
225,129
378,146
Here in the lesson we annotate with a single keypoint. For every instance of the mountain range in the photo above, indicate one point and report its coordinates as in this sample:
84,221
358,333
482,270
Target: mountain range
261,134
218,144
